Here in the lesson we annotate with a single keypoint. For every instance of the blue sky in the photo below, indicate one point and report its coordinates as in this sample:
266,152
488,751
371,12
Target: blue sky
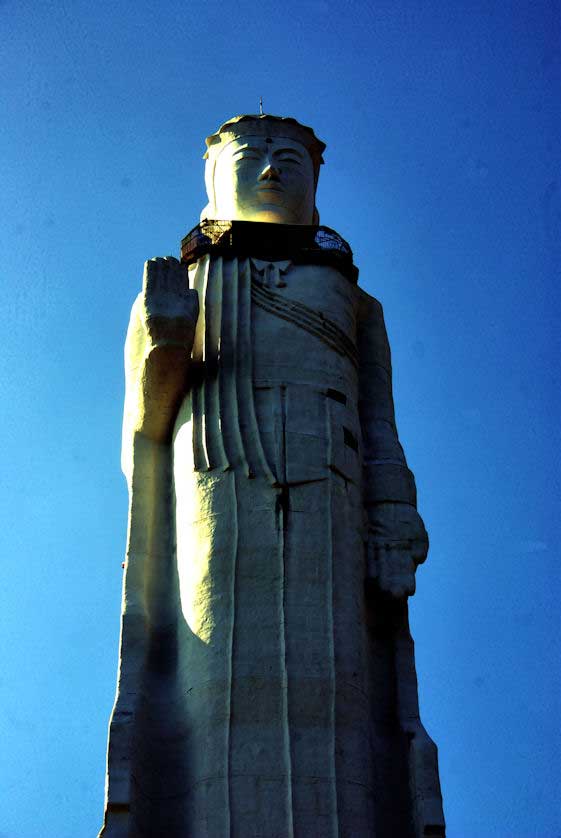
442,171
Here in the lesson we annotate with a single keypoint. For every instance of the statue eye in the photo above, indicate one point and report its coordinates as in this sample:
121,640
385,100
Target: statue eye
288,155
241,158
247,153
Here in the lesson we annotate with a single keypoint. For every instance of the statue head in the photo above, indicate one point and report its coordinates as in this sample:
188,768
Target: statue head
263,168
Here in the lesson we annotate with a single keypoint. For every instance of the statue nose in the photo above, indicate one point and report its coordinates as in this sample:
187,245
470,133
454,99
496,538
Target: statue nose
270,172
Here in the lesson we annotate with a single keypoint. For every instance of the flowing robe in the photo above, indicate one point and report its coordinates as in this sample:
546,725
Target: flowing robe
268,695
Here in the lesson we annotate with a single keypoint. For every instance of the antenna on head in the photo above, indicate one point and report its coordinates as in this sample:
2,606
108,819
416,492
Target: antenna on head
260,106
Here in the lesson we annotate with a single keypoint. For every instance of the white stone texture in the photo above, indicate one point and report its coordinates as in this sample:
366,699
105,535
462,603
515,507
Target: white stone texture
267,686
261,691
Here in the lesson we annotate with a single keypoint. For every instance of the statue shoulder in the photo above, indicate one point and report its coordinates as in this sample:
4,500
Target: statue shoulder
369,308
372,337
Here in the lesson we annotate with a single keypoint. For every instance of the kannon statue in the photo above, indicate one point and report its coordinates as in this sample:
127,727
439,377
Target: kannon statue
267,683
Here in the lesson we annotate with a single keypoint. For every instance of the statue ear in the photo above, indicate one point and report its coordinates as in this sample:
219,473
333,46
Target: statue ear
315,217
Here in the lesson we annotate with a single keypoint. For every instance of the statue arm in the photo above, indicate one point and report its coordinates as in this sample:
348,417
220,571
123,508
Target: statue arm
157,364
157,354
397,539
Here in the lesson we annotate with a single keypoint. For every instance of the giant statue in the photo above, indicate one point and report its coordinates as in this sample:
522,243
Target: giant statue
266,683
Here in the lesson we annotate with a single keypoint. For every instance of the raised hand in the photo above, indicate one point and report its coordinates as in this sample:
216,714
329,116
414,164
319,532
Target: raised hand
158,353
170,307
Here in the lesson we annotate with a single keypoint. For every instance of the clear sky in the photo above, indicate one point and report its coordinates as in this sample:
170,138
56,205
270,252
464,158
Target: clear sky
442,173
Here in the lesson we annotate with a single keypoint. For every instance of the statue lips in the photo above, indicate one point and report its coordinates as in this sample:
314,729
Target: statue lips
271,190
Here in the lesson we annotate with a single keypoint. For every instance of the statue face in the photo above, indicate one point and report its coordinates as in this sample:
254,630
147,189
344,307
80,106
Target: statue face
264,179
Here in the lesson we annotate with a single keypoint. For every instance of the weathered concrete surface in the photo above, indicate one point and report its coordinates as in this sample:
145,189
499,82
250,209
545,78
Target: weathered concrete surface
267,683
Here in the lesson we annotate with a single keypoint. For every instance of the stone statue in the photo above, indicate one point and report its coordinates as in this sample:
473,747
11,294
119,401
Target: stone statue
267,684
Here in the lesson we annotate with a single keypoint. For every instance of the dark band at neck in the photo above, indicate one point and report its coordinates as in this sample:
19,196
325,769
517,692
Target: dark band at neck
300,243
